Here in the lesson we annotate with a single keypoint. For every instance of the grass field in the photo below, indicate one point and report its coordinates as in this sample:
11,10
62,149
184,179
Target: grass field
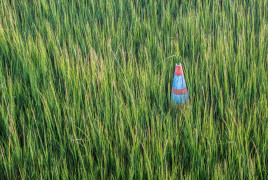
85,89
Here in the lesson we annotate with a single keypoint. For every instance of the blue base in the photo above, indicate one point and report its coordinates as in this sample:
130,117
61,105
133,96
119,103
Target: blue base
179,99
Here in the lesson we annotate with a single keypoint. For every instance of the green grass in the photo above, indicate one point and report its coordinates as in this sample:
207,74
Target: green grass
85,89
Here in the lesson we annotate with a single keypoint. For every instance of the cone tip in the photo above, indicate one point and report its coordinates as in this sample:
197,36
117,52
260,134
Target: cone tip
178,69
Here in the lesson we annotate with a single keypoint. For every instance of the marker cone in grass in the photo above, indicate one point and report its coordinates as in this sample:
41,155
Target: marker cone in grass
179,94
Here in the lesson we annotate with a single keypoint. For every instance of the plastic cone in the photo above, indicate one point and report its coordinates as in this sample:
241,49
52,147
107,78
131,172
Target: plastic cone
179,94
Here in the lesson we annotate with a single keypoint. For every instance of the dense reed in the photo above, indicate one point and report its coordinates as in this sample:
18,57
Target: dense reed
85,89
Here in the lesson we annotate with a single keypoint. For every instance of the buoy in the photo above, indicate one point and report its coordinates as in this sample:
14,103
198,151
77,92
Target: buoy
179,94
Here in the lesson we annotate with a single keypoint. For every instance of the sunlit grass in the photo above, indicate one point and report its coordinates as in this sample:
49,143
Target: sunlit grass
85,89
